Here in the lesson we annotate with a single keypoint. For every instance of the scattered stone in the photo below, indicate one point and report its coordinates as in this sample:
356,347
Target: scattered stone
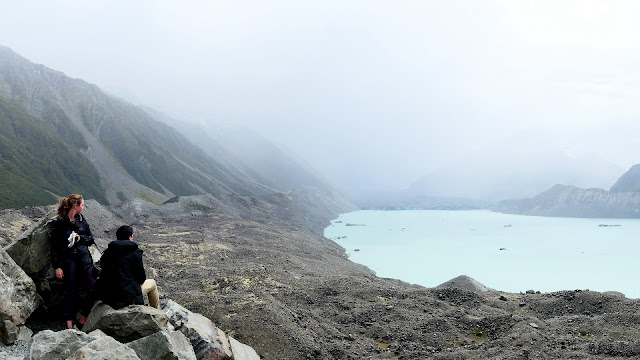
503,298
534,325
531,291
17,351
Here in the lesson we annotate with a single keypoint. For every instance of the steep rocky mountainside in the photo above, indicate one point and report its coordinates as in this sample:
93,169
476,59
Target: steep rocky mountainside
251,156
134,155
571,201
62,135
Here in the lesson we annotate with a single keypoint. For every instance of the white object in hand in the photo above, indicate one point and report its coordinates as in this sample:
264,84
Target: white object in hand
72,238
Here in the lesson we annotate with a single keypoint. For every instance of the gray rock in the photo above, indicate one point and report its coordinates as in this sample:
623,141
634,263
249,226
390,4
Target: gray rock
464,282
16,351
164,345
207,340
104,347
8,332
18,298
32,250
614,293
127,324
48,345
241,351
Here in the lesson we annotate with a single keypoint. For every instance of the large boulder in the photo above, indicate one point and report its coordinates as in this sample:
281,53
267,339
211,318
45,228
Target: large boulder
75,345
32,250
18,298
127,324
49,345
104,347
209,342
166,345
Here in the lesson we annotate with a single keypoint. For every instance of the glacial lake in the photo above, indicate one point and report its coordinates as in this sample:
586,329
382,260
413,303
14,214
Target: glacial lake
511,253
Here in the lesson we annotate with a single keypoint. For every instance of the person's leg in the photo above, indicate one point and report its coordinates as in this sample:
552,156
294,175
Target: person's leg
91,276
69,281
150,288
85,307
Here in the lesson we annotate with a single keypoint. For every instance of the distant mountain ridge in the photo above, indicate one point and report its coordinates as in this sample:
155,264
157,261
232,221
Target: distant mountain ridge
622,201
570,201
104,147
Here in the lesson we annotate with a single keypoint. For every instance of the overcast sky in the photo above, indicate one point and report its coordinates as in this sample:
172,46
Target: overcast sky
379,90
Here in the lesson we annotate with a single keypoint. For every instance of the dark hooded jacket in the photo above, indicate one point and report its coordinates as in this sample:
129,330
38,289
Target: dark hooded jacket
122,275
61,254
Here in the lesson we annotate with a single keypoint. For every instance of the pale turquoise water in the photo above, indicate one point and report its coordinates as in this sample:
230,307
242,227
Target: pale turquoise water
429,247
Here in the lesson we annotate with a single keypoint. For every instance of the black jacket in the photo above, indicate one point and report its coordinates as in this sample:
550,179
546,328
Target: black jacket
61,254
122,274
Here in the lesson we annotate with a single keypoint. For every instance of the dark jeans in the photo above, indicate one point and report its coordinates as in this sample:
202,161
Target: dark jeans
74,275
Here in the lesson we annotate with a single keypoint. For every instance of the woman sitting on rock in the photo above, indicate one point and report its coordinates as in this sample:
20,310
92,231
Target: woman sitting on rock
70,255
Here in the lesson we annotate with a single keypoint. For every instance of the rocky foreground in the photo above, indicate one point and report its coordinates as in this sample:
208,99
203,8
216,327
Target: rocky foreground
290,294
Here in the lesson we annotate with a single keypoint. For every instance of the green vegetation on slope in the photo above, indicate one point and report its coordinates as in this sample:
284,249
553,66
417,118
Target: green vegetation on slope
34,163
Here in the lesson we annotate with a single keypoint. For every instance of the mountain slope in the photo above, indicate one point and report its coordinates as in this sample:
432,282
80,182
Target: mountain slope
298,191
134,155
35,164
248,154
62,135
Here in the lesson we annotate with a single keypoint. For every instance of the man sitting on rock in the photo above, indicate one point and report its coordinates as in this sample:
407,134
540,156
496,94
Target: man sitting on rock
123,280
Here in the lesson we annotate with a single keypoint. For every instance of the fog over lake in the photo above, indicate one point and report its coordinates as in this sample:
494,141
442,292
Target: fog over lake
509,253
373,94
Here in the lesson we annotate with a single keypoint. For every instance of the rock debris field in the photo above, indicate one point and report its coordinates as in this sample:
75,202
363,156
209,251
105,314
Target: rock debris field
291,294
